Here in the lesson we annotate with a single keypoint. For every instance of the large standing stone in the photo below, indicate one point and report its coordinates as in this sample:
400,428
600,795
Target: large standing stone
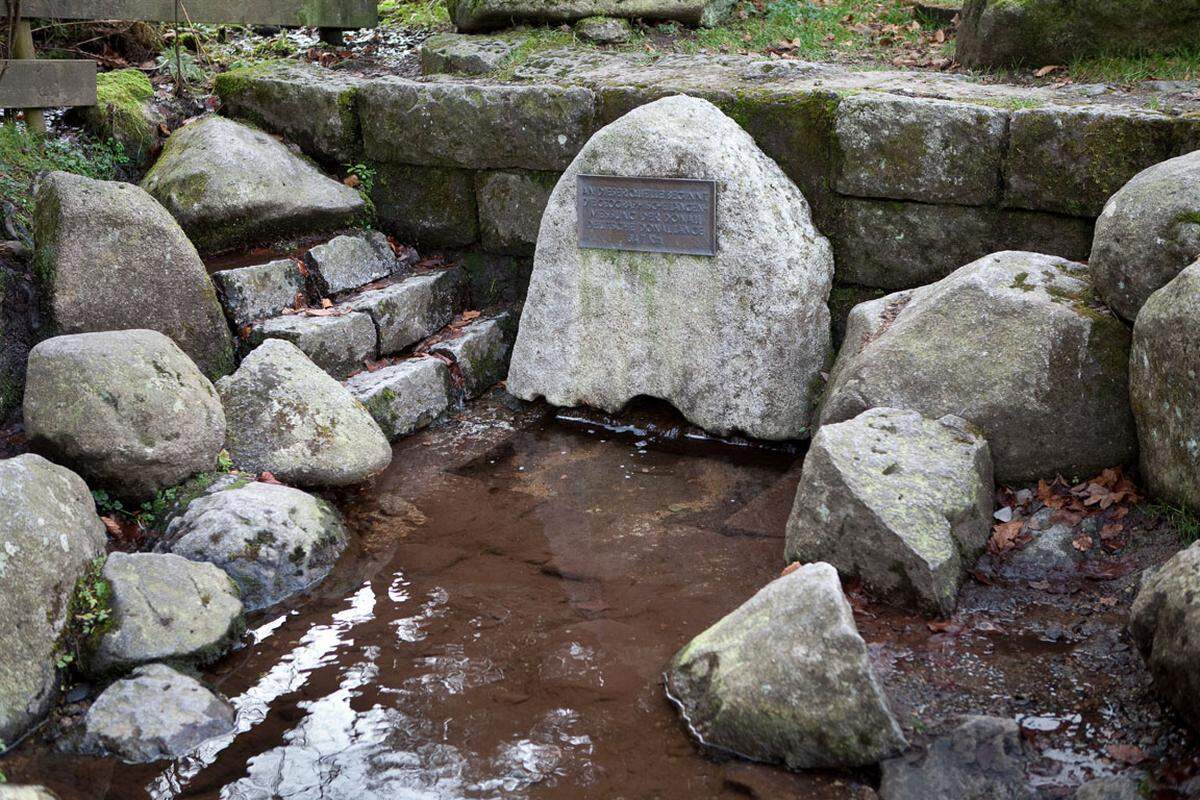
165,607
1147,233
259,291
1163,367
350,261
900,501
476,15
288,417
406,312
49,534
272,540
982,759
786,677
109,258
405,396
127,409
1165,624
1015,343
229,184
156,713
338,344
736,342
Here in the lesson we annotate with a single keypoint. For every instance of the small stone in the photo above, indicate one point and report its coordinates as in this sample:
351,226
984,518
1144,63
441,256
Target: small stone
165,607
406,312
1109,789
982,759
260,291
1165,625
603,30
406,396
156,713
273,541
338,344
350,261
481,351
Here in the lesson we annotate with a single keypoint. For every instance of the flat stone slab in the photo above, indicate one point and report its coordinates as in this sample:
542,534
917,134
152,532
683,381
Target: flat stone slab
458,54
259,291
476,15
481,351
405,397
406,312
350,261
338,344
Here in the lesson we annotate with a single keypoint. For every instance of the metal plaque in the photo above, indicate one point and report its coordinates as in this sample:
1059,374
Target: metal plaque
650,215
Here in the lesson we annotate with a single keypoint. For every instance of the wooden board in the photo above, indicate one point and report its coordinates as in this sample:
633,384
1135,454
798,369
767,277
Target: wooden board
293,13
47,84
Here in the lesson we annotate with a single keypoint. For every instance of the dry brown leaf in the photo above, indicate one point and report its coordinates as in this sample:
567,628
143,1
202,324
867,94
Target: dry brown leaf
1082,543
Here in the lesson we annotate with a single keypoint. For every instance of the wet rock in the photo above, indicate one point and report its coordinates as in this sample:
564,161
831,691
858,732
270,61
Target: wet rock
481,352
338,344
1109,789
427,206
786,677
229,184
350,261
288,417
49,534
510,209
10,791
489,14
127,409
1165,625
259,291
156,713
603,30
273,541
1015,343
900,501
1163,365
982,759
110,258
466,55
406,312
165,608
736,342
1148,232
406,396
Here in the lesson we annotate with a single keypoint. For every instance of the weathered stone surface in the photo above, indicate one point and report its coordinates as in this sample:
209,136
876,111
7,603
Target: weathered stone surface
466,55
154,714
1071,160
481,351
1163,364
124,111
259,291
21,322
406,312
406,396
736,341
273,541
9,791
475,15
899,245
165,607
478,126
907,148
786,677
311,106
998,33
902,502
350,261
1165,625
493,278
229,184
49,534
338,344
1109,789
127,409
510,209
1147,233
110,258
428,206
982,759
288,417
603,30
1015,343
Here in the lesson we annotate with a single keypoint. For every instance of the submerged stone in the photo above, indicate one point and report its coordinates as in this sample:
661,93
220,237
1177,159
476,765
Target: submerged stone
736,342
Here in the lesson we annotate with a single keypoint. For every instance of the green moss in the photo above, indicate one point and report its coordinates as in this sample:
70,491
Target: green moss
1021,281
122,110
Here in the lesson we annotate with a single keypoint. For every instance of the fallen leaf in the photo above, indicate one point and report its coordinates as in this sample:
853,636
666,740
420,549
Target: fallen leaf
268,477
1127,753
353,181
1046,70
1082,543
1004,536
326,302
790,568
114,527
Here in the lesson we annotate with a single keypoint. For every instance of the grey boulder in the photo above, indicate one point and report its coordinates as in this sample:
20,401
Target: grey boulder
603,30
902,502
1015,343
229,184
785,677
480,351
165,607
1148,232
982,759
259,291
108,257
736,342
350,261
126,409
406,396
339,343
156,713
49,534
406,312
287,416
273,541
1165,625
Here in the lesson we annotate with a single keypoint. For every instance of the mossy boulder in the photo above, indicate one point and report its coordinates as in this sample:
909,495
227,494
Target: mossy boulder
1015,343
123,111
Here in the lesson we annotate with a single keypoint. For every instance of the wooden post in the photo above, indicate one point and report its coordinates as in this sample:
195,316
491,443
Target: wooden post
23,49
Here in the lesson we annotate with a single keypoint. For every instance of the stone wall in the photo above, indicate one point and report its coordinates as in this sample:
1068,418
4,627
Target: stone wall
910,174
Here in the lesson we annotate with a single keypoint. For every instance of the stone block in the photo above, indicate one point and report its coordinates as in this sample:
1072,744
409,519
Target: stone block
259,291
405,397
427,206
481,351
338,344
406,312
510,209
350,261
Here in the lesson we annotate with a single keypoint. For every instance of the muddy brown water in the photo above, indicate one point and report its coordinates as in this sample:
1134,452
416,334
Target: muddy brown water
517,584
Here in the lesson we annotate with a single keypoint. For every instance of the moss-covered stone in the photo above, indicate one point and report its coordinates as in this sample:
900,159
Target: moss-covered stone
123,111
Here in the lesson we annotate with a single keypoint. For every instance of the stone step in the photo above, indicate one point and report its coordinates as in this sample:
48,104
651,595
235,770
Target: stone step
260,291
405,397
481,351
404,313
340,344
350,261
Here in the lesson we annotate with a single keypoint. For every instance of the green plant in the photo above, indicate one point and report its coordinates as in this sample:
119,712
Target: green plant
180,64
89,615
106,504
224,462
1179,518
366,175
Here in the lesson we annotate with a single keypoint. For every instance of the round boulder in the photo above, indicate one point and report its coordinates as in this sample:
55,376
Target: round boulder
1147,233
127,409
1165,625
